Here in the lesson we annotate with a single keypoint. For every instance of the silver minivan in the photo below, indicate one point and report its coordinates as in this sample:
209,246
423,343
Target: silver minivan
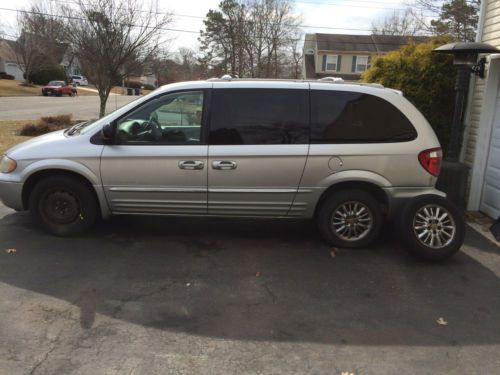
348,155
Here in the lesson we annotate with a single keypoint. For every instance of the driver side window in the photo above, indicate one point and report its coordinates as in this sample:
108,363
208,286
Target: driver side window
171,119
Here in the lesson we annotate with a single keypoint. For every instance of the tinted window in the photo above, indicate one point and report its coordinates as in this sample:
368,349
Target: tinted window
171,119
351,117
259,116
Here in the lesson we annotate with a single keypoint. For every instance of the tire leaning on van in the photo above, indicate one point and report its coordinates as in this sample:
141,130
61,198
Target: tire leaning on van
432,228
63,205
350,219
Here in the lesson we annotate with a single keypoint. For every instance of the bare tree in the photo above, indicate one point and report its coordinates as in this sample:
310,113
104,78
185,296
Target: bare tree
407,22
249,37
40,38
296,58
109,35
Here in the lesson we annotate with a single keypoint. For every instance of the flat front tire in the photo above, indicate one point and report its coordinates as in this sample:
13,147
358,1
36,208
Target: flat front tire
432,228
63,205
350,219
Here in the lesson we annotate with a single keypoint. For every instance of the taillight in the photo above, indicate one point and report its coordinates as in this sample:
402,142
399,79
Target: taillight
431,160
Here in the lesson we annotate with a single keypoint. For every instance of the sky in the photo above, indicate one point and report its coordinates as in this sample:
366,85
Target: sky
320,16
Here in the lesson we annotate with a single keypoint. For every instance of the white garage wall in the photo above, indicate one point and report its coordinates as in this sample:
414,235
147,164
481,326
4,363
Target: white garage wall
479,120
14,70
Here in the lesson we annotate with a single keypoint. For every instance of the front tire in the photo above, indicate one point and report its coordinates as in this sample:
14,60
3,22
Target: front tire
63,205
432,228
350,219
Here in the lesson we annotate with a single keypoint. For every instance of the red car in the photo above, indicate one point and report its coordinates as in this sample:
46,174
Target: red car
58,88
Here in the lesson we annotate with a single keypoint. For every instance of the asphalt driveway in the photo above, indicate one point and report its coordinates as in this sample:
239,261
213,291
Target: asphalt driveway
185,296
81,107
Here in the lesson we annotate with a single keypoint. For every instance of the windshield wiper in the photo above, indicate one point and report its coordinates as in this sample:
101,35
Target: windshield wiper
75,128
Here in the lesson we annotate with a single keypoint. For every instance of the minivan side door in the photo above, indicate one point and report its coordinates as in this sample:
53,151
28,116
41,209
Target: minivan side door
158,164
258,145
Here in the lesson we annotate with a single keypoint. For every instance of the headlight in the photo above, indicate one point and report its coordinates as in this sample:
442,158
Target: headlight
7,165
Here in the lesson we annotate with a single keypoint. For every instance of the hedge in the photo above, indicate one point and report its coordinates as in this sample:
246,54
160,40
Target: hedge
427,79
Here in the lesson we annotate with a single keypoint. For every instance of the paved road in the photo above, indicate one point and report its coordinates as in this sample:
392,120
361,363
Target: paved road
205,296
33,107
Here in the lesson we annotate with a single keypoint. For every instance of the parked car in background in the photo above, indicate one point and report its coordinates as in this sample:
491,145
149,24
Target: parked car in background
79,80
346,155
58,88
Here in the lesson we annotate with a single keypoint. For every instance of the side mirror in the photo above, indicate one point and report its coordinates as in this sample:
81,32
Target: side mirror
107,133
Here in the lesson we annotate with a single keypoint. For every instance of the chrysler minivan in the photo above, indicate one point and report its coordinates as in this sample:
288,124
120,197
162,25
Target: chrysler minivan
347,155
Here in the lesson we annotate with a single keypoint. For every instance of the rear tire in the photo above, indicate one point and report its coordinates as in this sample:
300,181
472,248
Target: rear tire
350,219
63,205
432,228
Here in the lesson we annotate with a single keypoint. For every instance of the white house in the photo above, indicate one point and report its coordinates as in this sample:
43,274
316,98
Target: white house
8,59
481,146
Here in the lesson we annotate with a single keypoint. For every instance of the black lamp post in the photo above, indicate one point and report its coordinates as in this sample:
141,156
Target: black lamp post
454,175
465,57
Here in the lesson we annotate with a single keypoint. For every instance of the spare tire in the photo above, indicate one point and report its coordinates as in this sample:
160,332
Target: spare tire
432,228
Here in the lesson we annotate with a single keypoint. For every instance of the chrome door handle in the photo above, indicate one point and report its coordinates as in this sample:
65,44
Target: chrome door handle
191,164
223,164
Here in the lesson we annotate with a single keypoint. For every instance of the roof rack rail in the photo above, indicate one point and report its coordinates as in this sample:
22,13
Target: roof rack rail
225,77
377,85
331,79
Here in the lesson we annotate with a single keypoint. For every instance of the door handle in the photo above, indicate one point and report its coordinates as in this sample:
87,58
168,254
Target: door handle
191,164
223,164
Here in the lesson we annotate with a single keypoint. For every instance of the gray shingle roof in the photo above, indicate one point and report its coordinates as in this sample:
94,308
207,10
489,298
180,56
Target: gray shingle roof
364,43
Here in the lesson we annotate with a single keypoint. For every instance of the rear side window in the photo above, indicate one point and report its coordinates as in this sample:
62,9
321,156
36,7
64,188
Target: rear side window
259,117
352,117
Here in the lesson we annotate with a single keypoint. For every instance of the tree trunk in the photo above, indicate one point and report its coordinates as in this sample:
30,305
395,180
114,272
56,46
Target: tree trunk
27,71
103,97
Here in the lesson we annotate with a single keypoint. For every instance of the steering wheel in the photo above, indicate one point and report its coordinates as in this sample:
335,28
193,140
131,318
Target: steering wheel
156,129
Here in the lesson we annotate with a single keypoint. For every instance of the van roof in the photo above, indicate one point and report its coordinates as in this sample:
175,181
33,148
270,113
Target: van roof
324,80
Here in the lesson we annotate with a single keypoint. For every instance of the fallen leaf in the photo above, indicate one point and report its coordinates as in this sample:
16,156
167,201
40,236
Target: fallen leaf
257,274
11,251
333,252
442,322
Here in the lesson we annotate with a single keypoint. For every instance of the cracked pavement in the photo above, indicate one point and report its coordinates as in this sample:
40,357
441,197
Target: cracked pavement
224,296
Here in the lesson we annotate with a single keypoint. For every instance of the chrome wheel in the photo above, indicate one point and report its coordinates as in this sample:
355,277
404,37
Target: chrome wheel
352,221
434,226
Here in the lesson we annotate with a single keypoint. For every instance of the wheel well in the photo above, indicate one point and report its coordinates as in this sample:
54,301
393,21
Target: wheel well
32,180
376,191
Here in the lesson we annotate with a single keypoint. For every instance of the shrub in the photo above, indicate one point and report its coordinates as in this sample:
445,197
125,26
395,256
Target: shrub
46,125
427,79
149,87
4,75
52,73
133,84
56,120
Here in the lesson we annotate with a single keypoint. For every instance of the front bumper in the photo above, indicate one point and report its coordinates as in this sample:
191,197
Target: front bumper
11,194
51,92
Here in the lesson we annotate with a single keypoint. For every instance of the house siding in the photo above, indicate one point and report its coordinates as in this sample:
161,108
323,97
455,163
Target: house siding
491,35
347,47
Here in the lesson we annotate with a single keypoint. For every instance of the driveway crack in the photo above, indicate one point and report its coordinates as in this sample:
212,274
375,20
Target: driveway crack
271,293
45,357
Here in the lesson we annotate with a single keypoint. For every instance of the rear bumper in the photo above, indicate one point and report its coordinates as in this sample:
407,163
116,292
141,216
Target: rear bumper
399,196
11,194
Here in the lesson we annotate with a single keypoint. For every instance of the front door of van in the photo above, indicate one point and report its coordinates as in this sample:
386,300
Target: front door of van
158,164
258,145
